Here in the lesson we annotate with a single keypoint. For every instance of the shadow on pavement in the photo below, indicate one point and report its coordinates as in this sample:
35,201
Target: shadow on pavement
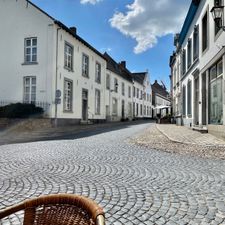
76,133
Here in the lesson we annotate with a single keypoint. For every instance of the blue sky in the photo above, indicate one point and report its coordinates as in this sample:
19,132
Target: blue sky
137,31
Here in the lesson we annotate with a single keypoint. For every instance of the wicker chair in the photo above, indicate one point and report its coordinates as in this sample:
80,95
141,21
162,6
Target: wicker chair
59,209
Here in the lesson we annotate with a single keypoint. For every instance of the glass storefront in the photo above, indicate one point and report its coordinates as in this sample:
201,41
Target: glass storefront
216,94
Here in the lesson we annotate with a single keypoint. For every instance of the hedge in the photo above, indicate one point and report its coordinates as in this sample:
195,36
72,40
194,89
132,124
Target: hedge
20,110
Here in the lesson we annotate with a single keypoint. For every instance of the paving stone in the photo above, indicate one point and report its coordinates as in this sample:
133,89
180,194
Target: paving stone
135,184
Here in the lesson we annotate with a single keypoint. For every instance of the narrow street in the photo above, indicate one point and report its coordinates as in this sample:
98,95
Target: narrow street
134,184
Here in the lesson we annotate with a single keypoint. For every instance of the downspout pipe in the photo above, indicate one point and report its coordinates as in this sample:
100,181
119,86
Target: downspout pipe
56,76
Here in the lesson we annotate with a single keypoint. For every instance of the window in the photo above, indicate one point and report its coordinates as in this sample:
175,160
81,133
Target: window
108,81
134,92
137,109
189,52
133,109
85,65
205,32
141,97
137,93
123,89
184,100
29,89
145,110
115,85
30,50
97,101
68,56
141,109
196,43
189,100
98,72
129,92
114,106
68,92
216,93
184,61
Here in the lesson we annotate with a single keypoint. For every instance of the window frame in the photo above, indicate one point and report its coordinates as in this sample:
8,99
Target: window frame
67,96
98,69
31,47
97,102
85,65
30,92
67,55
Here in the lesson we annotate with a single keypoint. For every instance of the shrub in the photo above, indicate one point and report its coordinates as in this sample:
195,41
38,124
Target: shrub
19,110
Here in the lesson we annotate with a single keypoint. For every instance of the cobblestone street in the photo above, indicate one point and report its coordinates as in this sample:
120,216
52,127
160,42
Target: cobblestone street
133,183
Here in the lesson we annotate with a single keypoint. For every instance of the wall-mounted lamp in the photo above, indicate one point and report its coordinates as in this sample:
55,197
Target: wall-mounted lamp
217,14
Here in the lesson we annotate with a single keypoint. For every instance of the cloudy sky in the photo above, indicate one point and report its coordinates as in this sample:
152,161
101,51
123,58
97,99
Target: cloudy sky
137,31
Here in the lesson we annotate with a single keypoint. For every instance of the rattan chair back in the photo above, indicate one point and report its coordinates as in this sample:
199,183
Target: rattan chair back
59,209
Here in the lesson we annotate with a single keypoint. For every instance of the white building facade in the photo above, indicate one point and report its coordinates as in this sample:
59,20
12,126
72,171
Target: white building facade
54,68
197,69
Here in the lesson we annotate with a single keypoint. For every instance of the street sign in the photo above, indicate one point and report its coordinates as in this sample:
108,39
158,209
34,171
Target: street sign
58,93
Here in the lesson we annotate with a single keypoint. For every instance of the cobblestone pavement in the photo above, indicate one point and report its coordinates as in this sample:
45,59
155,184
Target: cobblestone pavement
134,184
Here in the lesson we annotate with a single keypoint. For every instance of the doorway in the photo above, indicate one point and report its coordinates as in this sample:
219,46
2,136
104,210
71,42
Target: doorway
84,105
123,108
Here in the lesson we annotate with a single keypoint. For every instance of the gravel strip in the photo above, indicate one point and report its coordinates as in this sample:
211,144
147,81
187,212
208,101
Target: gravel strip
153,138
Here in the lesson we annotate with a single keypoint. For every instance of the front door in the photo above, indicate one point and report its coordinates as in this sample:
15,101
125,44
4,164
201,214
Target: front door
123,108
84,105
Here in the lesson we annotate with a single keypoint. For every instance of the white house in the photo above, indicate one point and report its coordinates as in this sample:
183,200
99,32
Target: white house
142,95
46,56
44,62
197,68
161,100
126,95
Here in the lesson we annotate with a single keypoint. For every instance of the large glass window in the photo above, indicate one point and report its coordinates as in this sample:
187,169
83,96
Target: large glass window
189,100
184,100
216,94
184,61
29,90
30,50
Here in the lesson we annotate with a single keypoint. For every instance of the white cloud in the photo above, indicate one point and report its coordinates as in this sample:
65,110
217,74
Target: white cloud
147,20
93,2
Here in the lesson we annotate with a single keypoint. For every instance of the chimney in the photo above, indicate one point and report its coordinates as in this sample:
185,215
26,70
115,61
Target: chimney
74,30
123,64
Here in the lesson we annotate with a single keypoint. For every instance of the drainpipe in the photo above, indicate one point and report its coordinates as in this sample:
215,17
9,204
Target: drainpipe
56,76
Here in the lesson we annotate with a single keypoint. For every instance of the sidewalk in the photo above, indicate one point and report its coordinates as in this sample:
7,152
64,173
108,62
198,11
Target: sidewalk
181,134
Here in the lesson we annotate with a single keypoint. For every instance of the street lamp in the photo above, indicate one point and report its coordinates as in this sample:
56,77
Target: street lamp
217,14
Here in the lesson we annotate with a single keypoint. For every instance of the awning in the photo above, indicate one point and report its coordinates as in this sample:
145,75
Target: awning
162,107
